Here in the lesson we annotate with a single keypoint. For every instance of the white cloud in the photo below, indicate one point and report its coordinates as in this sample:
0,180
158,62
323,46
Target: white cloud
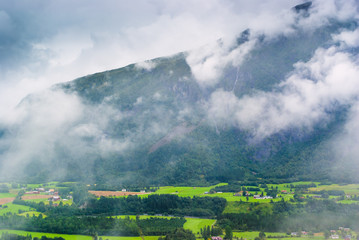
349,38
146,65
208,62
303,99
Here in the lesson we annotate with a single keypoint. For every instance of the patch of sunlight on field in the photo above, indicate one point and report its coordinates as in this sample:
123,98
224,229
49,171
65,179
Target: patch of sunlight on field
32,214
7,195
14,208
74,237
195,224
352,189
52,235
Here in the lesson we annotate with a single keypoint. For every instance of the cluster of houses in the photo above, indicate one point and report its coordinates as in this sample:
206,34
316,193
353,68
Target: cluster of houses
54,195
334,234
262,197
217,238
304,233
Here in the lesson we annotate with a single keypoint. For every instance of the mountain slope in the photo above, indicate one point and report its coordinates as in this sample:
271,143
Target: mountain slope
156,123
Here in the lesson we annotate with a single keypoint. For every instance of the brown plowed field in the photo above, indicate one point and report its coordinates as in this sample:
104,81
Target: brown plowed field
6,200
34,196
114,193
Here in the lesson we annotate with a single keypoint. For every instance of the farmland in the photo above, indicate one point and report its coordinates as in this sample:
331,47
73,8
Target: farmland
295,193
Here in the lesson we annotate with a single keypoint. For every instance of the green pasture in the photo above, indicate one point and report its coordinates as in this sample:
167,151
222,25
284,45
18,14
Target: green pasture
352,189
238,207
14,208
195,224
32,214
186,191
46,201
229,196
74,237
7,195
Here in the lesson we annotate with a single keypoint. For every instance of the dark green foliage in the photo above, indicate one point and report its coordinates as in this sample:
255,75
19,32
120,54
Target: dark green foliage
153,204
4,188
179,234
314,216
90,225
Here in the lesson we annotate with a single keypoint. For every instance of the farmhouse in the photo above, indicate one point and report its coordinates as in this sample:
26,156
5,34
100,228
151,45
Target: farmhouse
54,198
217,238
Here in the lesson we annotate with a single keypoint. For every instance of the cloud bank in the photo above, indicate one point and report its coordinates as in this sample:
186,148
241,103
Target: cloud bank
308,96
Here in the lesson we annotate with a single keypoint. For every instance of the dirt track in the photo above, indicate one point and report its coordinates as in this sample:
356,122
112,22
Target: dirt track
114,193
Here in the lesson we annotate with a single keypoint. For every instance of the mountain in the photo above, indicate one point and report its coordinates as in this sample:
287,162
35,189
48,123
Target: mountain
164,121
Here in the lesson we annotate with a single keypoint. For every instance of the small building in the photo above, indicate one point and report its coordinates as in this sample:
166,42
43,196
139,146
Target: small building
334,236
142,191
333,231
304,233
217,238
346,229
294,234
348,237
54,198
123,190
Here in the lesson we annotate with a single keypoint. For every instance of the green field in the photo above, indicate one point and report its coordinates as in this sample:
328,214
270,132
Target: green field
32,214
195,224
7,195
352,189
200,192
14,208
74,237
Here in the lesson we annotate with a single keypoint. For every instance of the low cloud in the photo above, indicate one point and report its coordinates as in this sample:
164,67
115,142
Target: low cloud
208,62
305,98
53,120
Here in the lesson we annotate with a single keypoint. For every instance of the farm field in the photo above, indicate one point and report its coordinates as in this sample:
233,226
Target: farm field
195,224
14,209
32,214
74,237
352,189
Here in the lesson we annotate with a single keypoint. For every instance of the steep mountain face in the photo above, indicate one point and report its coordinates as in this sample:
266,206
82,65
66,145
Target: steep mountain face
183,120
